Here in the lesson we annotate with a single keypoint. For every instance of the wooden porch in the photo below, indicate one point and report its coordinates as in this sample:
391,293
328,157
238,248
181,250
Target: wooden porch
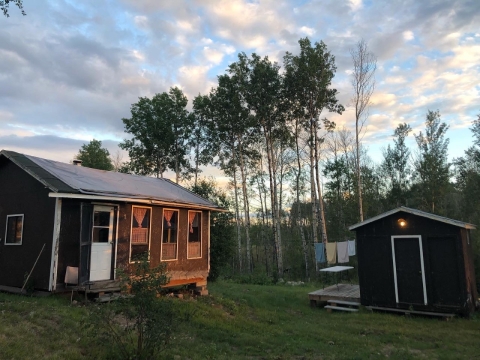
341,292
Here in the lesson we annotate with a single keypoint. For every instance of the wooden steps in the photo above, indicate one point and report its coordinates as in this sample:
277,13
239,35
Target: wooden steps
340,305
407,312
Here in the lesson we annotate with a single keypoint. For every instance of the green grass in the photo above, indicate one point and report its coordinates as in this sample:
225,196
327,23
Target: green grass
244,321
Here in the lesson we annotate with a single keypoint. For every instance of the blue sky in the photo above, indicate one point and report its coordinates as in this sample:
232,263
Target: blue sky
70,70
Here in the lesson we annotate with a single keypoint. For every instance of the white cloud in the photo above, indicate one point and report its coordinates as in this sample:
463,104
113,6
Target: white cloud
408,35
307,30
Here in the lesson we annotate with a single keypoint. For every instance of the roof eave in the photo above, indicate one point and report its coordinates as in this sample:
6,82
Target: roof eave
136,200
418,213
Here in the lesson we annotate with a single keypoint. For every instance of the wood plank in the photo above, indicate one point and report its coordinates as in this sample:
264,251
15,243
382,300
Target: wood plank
414,312
338,308
341,302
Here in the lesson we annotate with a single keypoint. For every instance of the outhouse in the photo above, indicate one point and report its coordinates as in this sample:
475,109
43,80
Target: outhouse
411,259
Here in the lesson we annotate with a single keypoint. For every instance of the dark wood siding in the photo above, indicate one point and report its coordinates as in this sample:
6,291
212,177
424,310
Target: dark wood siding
68,245
448,270
20,193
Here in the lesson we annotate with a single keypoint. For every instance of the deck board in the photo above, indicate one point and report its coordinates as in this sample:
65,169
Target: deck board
345,292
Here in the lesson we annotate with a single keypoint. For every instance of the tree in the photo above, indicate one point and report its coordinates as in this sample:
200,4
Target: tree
160,127
396,167
431,166
307,82
5,4
94,156
222,244
363,83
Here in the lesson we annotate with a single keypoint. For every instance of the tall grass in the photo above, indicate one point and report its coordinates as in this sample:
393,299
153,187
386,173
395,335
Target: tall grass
242,321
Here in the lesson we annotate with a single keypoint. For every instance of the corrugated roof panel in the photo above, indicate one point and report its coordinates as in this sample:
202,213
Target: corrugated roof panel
86,180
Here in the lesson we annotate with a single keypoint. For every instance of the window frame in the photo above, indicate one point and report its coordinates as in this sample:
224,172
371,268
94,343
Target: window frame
21,233
131,232
178,231
199,233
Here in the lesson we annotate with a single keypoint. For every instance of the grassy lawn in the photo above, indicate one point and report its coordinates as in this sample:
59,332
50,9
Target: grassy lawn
244,321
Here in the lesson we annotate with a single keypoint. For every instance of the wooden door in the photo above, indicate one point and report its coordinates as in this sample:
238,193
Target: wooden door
408,269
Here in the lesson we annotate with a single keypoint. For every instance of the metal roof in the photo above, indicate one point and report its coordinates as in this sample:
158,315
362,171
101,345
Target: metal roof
415,212
64,178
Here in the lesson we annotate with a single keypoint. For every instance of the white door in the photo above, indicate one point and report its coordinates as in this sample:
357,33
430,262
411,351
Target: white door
102,243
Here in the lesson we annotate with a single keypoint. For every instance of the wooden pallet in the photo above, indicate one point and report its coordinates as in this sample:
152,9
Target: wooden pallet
445,316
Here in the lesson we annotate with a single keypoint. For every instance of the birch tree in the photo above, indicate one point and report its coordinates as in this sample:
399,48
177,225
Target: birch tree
363,83
308,80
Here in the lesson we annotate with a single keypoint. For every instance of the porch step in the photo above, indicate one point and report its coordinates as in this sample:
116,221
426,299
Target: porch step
445,316
339,308
341,305
341,302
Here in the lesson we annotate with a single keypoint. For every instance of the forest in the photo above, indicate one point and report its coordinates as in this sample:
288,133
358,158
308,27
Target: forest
295,177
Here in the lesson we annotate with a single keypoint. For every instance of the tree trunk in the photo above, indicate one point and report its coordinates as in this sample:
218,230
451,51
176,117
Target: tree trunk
246,207
313,193
274,201
237,212
359,175
323,226
299,211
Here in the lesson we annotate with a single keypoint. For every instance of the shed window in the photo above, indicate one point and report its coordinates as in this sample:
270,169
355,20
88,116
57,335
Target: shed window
170,234
14,231
194,234
140,235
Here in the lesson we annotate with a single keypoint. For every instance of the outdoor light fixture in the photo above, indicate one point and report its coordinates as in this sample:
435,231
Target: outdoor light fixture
402,222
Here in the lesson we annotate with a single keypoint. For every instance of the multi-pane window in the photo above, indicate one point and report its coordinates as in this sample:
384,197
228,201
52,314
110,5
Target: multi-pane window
14,231
170,235
194,234
140,237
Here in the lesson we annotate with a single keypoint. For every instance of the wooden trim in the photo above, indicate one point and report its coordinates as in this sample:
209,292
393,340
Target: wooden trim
176,241
419,237
52,283
6,230
199,233
149,233
135,201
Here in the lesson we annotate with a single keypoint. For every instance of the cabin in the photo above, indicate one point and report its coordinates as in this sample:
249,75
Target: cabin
411,259
76,226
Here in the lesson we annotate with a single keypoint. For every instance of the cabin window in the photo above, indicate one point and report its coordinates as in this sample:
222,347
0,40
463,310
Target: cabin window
140,234
14,231
170,235
194,235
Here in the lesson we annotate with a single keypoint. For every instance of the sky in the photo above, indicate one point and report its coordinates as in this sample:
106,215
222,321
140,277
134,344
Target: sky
70,70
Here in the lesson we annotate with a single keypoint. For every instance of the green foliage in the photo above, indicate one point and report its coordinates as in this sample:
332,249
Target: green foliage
431,167
94,156
140,324
160,128
396,168
5,4
222,242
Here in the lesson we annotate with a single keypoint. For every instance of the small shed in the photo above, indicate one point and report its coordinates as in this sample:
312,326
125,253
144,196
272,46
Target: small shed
409,258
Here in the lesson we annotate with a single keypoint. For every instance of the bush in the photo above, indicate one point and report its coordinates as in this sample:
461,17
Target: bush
140,324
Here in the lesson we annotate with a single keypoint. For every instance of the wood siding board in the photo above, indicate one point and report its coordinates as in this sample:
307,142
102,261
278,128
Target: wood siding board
22,194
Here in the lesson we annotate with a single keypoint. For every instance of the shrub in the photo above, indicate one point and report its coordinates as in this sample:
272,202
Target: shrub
140,323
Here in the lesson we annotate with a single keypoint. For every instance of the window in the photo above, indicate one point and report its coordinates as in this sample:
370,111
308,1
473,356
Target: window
140,235
170,234
194,235
14,231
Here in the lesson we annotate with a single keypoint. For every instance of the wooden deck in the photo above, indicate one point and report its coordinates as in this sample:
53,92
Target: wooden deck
343,292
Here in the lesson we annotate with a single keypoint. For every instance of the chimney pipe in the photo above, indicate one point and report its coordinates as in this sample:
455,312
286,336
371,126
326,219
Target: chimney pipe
77,162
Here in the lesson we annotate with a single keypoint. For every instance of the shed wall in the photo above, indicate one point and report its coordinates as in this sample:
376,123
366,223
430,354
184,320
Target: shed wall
22,194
